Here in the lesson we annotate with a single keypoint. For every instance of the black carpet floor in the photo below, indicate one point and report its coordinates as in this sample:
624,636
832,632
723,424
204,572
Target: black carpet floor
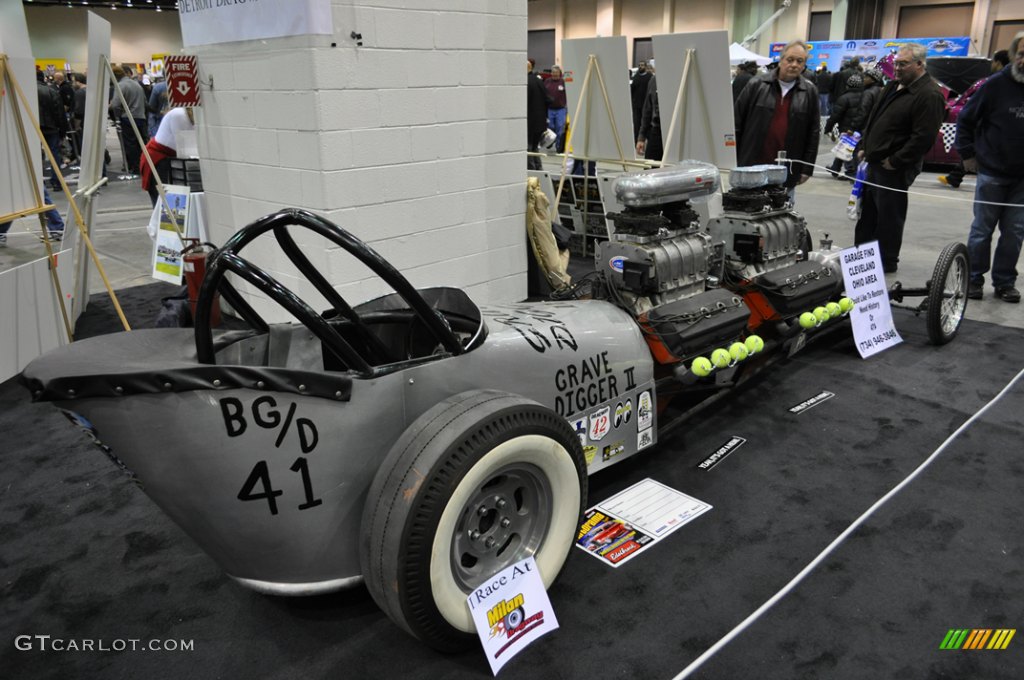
86,556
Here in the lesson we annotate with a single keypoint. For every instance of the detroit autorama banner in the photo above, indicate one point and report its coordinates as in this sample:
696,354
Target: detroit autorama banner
205,22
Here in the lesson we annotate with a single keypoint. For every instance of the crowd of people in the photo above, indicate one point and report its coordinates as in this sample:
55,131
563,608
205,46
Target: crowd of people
62,101
778,112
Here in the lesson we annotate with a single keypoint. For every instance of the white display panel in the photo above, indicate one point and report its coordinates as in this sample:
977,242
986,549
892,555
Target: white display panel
16,190
593,135
705,129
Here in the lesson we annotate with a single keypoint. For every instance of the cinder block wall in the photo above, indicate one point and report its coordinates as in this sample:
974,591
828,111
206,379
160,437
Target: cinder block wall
414,141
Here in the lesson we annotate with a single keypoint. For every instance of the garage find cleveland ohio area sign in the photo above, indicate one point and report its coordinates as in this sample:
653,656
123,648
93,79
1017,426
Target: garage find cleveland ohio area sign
182,80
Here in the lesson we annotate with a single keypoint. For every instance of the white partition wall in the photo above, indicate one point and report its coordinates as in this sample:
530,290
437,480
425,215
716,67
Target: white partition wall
29,307
405,126
594,134
704,126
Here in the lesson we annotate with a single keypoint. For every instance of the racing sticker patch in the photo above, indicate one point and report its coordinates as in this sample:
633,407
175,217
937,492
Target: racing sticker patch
600,423
644,410
644,438
580,426
824,395
623,412
589,453
613,450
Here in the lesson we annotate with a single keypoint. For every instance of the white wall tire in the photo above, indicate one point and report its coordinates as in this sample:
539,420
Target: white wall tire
484,462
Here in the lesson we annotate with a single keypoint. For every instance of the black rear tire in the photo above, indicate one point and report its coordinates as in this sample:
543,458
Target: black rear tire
947,294
481,481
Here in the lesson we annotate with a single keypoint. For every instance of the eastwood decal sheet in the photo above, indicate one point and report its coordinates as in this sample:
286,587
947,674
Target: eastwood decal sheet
634,519
510,610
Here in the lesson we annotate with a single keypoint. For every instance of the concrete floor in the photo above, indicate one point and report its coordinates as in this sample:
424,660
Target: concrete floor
937,216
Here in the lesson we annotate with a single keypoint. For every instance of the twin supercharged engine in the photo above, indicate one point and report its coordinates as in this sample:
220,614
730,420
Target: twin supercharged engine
663,267
695,288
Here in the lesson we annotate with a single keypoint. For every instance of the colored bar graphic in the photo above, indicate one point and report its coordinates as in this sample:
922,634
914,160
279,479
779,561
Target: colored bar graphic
978,638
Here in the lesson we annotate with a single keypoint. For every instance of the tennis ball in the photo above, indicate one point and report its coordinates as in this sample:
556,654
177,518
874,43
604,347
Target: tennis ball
754,344
720,358
821,314
738,351
808,320
845,304
701,366
833,310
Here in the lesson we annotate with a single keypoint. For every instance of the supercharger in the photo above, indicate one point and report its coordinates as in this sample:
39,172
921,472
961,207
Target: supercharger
686,282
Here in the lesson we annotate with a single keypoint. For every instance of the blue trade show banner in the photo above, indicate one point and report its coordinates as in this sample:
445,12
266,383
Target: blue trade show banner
870,52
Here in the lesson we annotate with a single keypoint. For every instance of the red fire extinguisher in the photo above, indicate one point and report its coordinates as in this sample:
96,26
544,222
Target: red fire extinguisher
194,258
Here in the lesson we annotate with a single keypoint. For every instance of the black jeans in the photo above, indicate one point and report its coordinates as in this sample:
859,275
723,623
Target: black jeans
884,210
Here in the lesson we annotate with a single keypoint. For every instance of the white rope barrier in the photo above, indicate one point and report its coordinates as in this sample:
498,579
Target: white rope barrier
907,191
747,622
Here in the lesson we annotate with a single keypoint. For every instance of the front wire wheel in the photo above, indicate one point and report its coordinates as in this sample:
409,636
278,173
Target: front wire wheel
474,485
947,294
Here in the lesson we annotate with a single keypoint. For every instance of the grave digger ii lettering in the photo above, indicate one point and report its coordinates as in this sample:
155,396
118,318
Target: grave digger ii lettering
585,384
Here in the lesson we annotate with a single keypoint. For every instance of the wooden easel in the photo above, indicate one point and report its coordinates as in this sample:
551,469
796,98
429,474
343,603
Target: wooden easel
10,82
585,93
679,110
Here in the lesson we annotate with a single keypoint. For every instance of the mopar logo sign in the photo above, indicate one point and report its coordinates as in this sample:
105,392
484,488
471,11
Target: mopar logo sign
616,263
851,45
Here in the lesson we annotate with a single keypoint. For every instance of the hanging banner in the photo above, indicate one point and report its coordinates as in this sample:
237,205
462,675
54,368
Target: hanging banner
206,22
870,52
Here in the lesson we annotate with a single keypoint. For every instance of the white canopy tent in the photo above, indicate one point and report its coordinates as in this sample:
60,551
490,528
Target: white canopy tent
739,54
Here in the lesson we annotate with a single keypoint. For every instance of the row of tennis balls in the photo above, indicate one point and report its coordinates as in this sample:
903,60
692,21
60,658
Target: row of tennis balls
820,315
738,351
723,358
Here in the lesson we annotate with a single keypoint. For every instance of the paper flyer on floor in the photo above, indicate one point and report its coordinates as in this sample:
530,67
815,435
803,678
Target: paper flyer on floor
620,528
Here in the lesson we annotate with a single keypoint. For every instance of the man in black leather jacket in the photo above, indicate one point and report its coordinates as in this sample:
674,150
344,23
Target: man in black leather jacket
899,131
778,111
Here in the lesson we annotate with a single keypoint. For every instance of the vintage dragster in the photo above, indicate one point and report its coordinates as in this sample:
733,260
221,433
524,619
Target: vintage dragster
420,443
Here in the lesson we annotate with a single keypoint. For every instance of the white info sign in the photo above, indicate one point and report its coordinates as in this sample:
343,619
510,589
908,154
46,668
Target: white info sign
871,316
510,610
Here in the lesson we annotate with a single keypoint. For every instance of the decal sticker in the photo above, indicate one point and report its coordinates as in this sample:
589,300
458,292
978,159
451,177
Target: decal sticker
617,263
613,450
580,426
644,438
644,411
623,412
600,423
723,451
824,395
589,453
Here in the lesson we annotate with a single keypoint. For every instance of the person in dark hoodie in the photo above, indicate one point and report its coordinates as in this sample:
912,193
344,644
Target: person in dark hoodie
847,115
990,139
744,72
824,85
537,103
638,95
